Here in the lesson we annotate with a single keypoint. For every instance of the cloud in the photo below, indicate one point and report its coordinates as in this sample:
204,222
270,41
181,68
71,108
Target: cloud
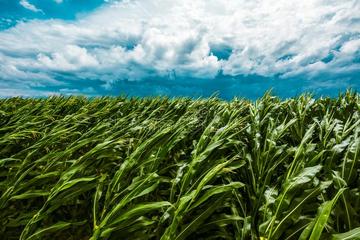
200,39
71,58
29,6
58,1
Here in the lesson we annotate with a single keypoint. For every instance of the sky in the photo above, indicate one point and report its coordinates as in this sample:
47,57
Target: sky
193,48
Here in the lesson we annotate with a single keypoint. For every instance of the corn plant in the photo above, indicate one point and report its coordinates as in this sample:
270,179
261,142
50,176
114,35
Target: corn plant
174,169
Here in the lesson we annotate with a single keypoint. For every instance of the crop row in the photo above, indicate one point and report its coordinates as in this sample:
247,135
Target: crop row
173,169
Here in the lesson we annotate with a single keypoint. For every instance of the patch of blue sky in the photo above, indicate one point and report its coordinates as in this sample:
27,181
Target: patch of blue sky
221,51
225,87
13,11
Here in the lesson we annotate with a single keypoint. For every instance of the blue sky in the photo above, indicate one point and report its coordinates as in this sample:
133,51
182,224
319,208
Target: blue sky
179,48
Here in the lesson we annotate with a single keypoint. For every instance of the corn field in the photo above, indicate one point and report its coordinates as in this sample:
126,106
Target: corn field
174,169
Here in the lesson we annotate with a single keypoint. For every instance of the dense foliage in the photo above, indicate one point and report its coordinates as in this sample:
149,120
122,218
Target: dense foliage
156,168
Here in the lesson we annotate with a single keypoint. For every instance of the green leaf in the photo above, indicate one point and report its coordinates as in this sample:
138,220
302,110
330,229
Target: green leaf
193,226
317,226
127,217
214,190
30,194
350,235
53,228
139,210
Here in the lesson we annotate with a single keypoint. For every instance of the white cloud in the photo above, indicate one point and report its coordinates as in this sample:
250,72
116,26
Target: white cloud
157,38
29,6
71,58
58,1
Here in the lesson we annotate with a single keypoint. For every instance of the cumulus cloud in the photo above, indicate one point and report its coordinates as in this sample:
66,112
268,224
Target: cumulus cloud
29,6
145,39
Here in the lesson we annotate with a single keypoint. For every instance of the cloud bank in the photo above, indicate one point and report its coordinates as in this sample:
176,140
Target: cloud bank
140,40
